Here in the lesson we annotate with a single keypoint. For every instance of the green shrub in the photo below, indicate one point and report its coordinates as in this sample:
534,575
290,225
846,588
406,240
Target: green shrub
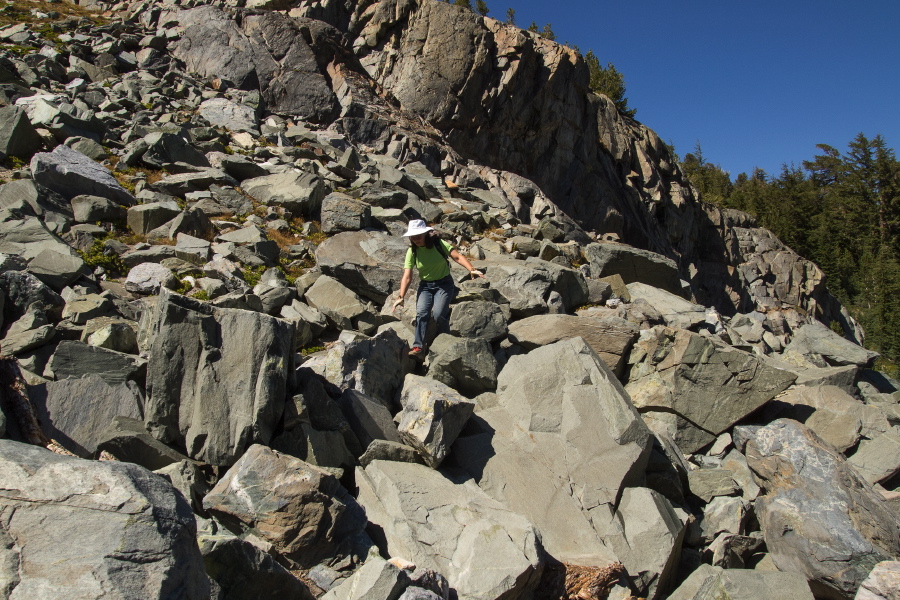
95,257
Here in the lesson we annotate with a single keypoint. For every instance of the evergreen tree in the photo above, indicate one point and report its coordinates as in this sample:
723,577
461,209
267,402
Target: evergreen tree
481,8
533,28
463,3
547,33
711,181
842,211
511,16
609,82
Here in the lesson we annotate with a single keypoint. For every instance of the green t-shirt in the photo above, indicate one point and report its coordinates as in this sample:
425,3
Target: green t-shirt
430,263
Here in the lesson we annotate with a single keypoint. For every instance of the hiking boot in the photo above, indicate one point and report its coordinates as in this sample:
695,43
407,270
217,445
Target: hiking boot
417,353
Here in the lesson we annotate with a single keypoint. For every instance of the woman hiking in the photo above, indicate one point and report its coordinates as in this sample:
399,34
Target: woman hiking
430,255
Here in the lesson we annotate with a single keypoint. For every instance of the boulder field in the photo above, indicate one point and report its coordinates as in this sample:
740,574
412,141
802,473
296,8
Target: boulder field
205,394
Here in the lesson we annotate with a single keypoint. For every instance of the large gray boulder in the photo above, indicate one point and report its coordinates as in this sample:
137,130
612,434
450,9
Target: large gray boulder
697,385
378,579
265,51
479,320
675,310
484,549
74,360
76,412
467,365
28,237
164,149
822,347
17,135
716,583
375,366
117,530
835,416
57,269
43,201
71,174
610,337
818,516
369,419
244,571
646,534
301,193
230,115
341,212
432,416
217,377
560,446
337,302
369,263
22,290
300,509
633,264
878,459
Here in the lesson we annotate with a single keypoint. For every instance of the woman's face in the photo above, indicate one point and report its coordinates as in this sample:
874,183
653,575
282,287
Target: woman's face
418,240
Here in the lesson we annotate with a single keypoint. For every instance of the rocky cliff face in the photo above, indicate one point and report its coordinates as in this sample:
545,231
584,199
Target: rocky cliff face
488,103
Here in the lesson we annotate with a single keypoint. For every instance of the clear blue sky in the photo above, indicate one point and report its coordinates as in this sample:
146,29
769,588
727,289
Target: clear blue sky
757,83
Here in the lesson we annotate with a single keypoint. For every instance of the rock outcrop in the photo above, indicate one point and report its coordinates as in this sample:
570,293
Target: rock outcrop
200,254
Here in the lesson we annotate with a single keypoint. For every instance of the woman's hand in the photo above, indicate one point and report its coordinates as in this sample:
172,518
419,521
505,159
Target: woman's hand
476,273
397,302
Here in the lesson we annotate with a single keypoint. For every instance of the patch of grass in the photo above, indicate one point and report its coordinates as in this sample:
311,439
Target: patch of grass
95,257
283,239
291,271
125,181
14,163
183,288
131,238
201,295
18,50
252,275
311,350
888,367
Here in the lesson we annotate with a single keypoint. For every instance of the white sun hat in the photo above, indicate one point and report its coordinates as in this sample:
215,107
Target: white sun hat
417,227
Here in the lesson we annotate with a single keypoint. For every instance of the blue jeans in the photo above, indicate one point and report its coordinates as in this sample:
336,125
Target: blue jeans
433,297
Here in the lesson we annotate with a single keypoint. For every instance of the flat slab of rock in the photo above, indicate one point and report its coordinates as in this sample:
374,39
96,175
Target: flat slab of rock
633,265
611,337
369,263
230,115
71,173
76,360
118,530
709,385
878,459
484,550
675,310
562,442
716,583
76,412
818,516
300,193
824,348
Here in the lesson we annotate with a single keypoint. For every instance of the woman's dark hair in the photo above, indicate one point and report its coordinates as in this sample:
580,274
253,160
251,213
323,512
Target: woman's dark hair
429,241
